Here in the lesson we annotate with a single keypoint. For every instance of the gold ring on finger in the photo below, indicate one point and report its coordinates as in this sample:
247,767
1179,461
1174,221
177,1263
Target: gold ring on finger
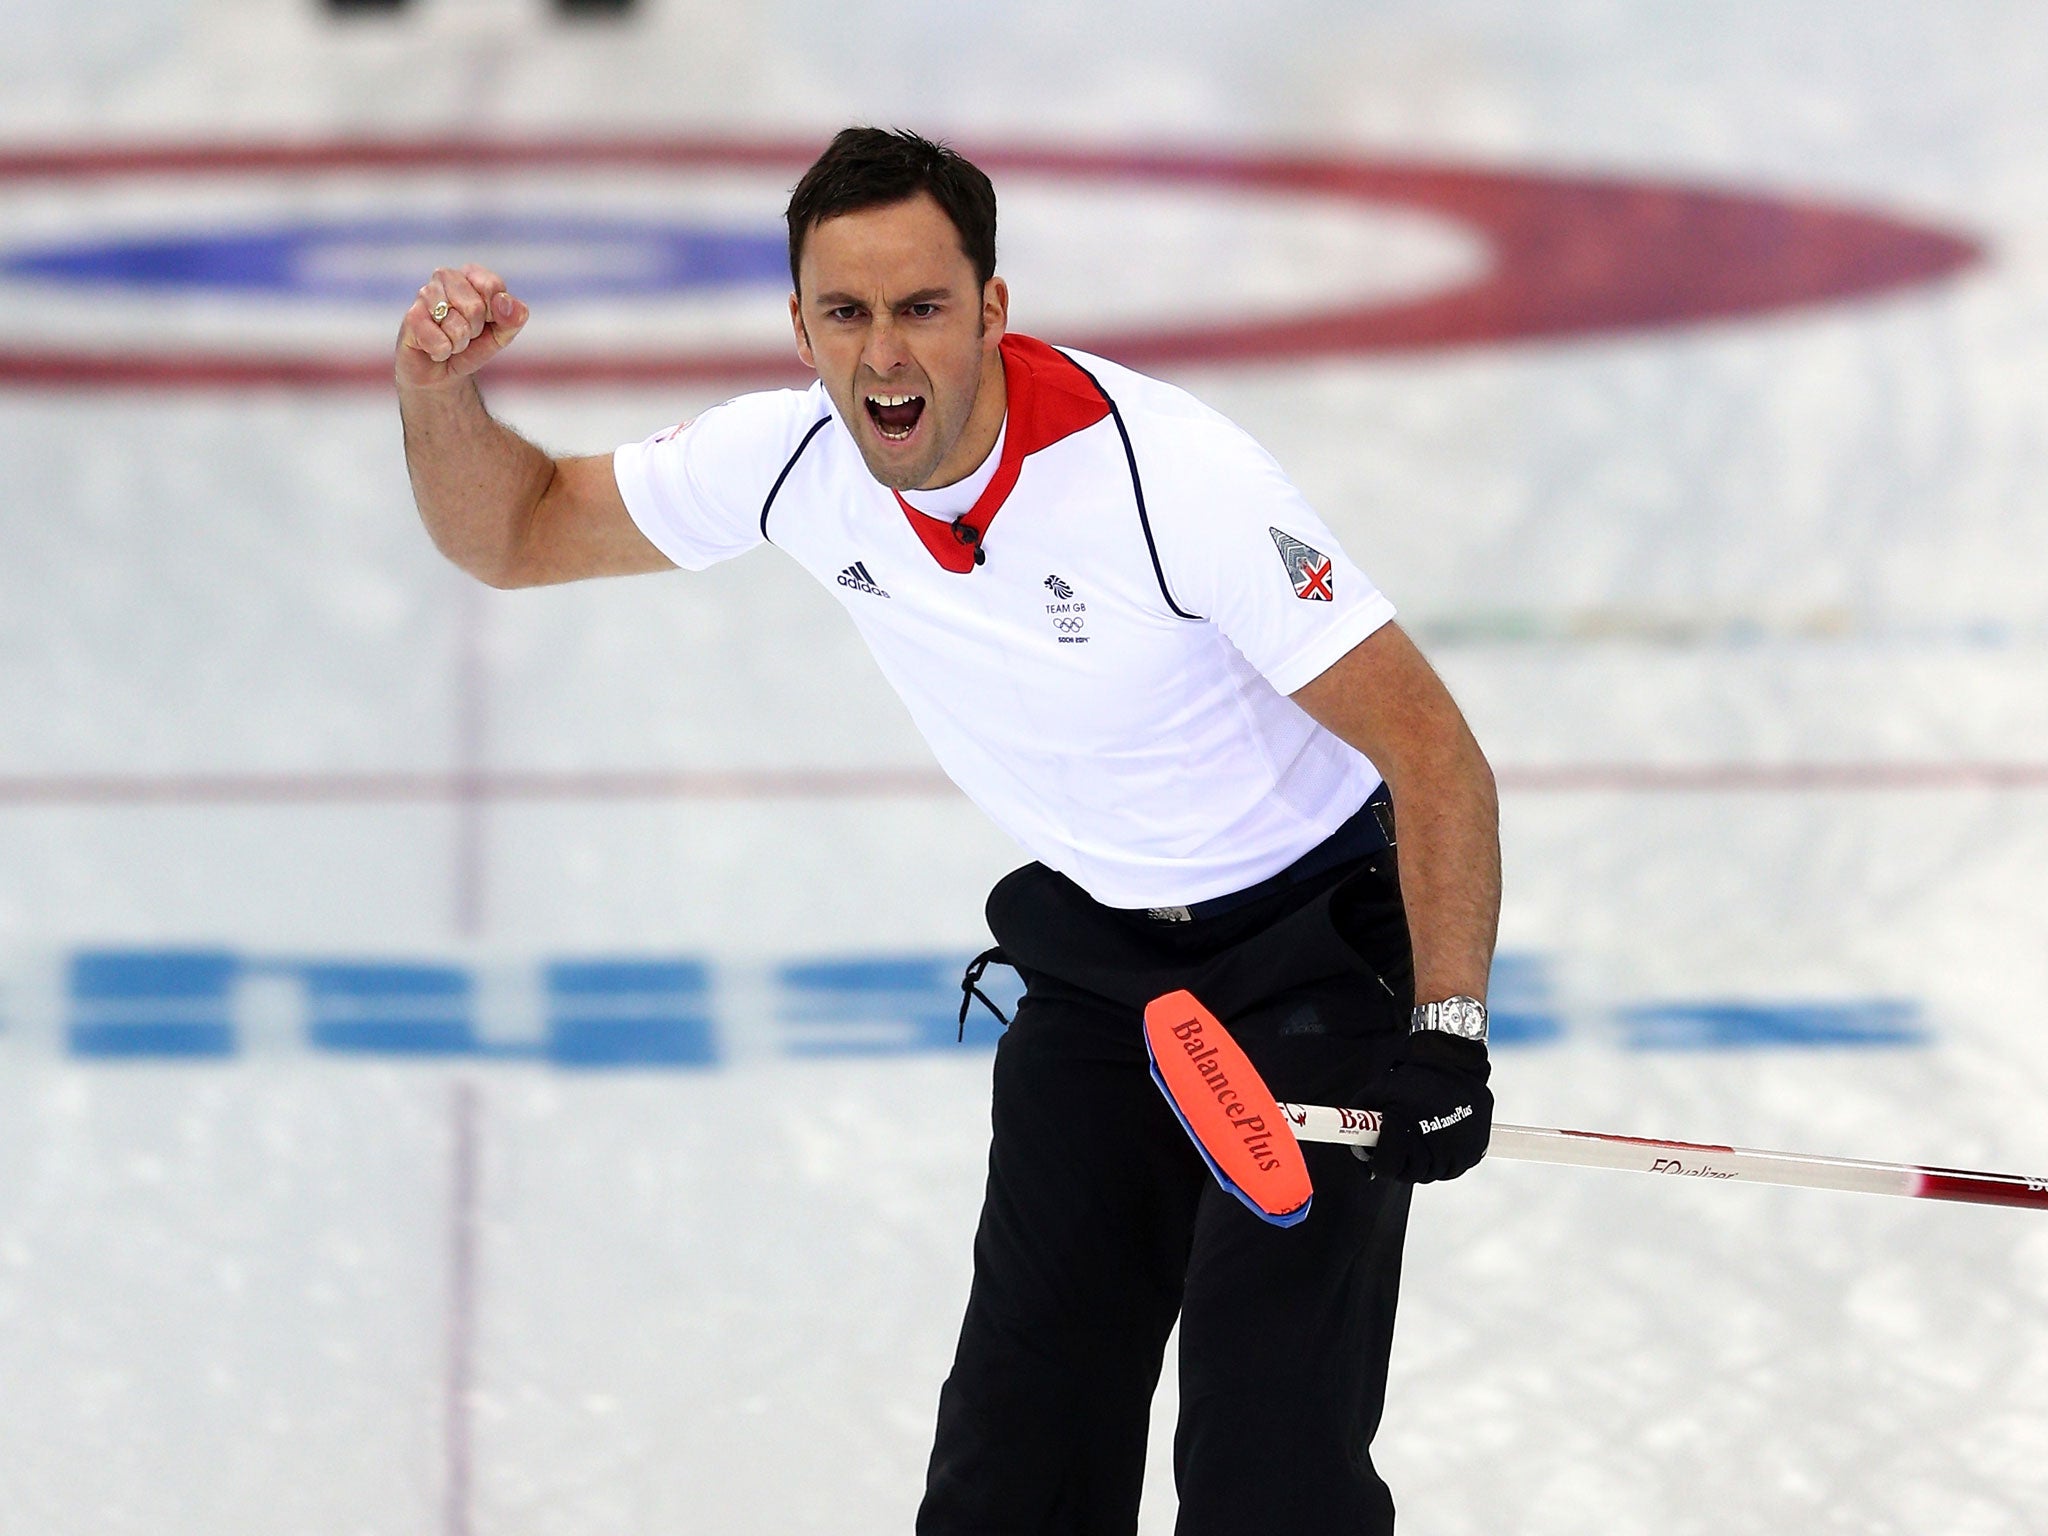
440,310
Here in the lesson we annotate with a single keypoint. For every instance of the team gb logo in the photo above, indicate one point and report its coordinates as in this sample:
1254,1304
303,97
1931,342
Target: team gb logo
1307,567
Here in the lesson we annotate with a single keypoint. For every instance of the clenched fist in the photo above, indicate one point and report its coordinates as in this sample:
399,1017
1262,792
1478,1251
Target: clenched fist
462,319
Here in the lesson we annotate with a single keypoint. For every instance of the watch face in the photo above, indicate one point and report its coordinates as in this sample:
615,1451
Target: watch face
1466,1016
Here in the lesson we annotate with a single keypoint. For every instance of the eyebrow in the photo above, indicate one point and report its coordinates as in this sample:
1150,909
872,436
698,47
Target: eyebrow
922,296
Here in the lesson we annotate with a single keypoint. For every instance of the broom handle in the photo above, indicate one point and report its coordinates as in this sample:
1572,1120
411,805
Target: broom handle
1689,1159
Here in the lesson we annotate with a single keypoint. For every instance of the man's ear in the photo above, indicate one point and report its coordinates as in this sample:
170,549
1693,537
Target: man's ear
803,337
995,310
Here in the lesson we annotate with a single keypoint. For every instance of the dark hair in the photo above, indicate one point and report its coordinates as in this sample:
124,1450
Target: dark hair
873,167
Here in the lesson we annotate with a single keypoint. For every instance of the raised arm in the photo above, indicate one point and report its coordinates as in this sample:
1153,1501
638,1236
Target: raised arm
1384,699
494,503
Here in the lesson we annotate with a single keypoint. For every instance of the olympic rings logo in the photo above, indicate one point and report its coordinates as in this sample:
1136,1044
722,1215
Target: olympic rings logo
1068,626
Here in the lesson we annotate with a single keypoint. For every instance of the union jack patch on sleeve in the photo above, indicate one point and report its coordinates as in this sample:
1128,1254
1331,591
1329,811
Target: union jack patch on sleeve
1308,568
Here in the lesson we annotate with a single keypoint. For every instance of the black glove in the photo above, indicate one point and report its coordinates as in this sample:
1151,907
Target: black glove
1436,1111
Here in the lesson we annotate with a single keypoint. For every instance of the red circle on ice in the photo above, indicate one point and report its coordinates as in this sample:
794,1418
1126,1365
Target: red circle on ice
1570,255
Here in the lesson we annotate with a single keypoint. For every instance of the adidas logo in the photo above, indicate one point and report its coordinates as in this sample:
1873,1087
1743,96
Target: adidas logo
856,576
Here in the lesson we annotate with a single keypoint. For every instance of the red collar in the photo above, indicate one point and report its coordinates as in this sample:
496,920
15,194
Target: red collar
1046,398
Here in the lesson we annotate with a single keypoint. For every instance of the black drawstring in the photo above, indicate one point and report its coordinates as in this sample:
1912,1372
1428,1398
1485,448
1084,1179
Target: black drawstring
970,986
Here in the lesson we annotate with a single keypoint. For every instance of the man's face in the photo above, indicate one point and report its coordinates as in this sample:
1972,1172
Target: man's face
890,315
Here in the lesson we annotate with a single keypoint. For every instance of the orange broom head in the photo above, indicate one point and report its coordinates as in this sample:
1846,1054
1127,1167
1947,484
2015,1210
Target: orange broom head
1226,1108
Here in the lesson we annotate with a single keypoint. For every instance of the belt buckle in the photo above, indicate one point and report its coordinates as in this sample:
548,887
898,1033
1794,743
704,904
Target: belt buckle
1170,914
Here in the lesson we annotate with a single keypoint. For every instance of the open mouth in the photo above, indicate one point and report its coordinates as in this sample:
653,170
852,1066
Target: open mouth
895,416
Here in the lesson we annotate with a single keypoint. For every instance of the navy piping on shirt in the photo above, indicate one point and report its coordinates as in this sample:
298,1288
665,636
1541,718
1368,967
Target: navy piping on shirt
776,489
1138,491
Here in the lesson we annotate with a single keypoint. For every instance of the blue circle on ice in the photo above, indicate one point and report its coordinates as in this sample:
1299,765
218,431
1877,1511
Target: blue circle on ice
387,259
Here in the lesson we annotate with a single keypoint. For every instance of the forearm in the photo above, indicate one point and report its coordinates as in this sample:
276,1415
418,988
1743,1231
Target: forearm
1448,820
1384,699
476,481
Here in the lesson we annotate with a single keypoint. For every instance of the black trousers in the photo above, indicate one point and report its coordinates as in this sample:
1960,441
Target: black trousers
1100,1225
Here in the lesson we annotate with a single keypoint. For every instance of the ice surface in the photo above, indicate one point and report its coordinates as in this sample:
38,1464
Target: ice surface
722,1297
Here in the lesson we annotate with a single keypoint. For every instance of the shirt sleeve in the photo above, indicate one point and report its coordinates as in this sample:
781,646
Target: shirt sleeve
1242,548
696,490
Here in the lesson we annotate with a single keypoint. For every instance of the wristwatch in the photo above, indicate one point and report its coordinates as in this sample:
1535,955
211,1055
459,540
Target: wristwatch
1464,1017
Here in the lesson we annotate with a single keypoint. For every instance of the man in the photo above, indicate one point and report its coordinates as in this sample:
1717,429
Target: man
1128,639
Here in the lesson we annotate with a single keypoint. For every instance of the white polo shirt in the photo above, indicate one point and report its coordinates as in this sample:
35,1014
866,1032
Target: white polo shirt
1110,684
